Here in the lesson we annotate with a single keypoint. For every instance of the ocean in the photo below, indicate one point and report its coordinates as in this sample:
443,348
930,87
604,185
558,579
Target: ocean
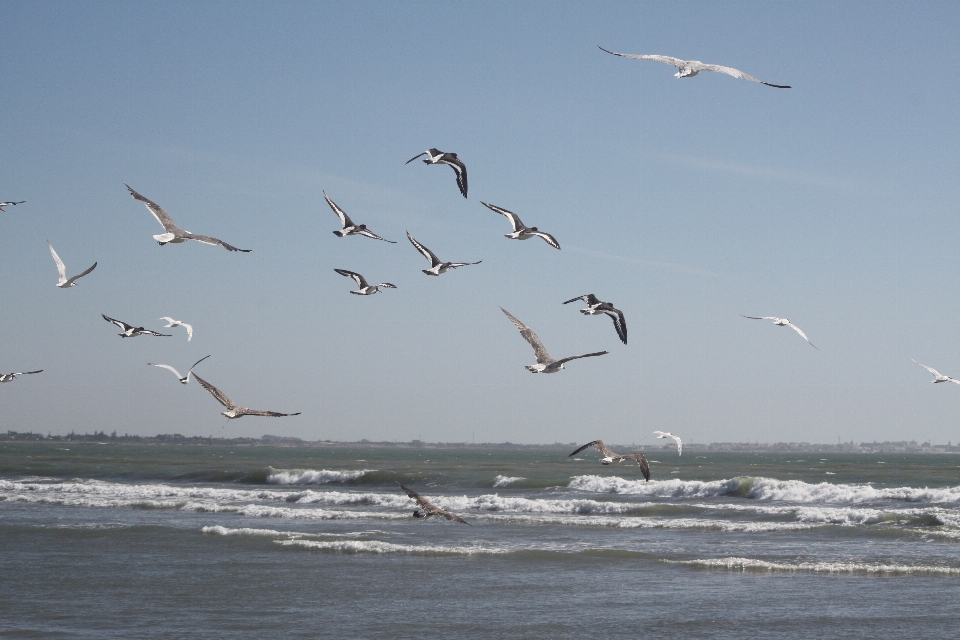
173,541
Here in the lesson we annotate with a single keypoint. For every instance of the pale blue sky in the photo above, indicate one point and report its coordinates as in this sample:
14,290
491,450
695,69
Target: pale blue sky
684,202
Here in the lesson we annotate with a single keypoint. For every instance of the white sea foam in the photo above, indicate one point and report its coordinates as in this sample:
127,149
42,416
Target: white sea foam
312,476
750,564
376,546
503,481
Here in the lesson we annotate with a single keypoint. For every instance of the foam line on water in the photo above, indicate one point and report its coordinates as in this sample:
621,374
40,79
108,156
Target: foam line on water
313,476
870,568
376,546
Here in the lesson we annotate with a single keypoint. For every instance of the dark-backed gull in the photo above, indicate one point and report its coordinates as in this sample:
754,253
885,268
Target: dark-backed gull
427,509
435,156
436,267
609,457
131,331
349,228
366,289
521,232
596,307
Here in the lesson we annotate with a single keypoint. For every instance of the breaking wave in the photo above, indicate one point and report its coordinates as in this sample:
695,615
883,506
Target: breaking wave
376,546
311,476
505,481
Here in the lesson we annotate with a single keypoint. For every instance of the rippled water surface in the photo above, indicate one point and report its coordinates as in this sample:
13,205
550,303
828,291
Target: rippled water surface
227,541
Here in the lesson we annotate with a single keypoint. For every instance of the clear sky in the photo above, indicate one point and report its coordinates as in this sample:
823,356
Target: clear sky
684,202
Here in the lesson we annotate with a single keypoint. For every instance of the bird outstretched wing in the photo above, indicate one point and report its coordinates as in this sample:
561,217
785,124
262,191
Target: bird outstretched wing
539,351
359,279
158,212
598,445
429,255
216,393
344,218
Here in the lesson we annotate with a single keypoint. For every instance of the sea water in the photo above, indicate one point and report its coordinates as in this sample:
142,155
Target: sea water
123,541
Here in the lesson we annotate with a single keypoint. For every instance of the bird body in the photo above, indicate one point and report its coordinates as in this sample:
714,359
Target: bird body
176,323
130,331
436,266
783,322
365,289
690,68
665,434
183,379
609,457
596,307
521,231
545,363
428,509
7,377
937,376
349,228
234,410
435,156
174,234
63,282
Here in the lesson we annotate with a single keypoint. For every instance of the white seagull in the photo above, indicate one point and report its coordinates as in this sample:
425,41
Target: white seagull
9,204
133,332
234,410
521,232
366,289
783,322
436,267
349,228
183,379
937,376
666,434
7,377
545,364
690,68
174,234
176,323
427,509
63,282
596,307
435,156
609,457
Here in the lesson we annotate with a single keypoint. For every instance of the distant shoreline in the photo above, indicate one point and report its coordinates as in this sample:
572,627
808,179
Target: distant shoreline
279,441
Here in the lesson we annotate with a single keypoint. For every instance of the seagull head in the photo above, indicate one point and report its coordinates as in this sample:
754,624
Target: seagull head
419,514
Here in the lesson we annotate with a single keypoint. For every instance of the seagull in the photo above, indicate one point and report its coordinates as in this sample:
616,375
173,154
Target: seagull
609,457
937,376
435,156
545,364
183,379
783,322
175,234
63,283
235,410
350,229
9,204
690,68
427,509
665,434
7,377
133,332
436,267
596,307
365,288
521,232
176,323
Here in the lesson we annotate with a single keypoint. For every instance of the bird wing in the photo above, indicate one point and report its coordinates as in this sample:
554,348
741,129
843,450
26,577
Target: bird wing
421,501
756,318
583,297
736,73
514,218
676,62
23,373
359,279
930,369
387,285
585,355
195,364
549,238
371,234
10,204
461,170
61,269
167,367
641,460
538,349
211,240
256,412
429,255
80,275
619,322
598,445
189,329
415,157
216,393
158,212
449,516
123,325
454,265
170,321
802,334
344,218
663,434
153,333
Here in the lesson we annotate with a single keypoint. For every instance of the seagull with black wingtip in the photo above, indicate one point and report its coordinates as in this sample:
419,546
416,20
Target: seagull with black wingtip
436,266
183,379
349,228
609,457
520,231
596,307
7,377
690,68
130,331
365,289
435,156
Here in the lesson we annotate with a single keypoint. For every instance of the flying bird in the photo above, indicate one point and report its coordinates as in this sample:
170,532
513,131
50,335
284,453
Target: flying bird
349,228
545,364
435,156
174,234
937,376
783,322
365,288
63,282
665,434
183,379
609,457
521,232
9,204
436,267
133,332
427,509
690,68
235,410
176,323
596,307
7,377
